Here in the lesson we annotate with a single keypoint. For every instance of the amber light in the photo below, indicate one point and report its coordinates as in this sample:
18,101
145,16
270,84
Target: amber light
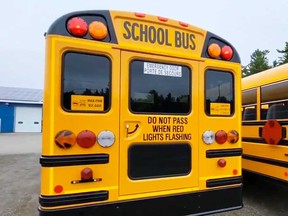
77,27
58,189
65,139
214,50
221,136
232,136
222,163
86,139
226,53
98,30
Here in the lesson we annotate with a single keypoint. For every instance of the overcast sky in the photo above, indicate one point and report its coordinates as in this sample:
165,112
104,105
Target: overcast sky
247,24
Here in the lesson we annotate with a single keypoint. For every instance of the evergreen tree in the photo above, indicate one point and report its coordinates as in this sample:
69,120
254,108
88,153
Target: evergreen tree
259,62
284,58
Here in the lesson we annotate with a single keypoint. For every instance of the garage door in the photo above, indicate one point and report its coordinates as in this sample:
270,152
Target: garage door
28,119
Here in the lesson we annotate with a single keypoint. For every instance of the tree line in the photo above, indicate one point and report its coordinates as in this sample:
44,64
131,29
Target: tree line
259,61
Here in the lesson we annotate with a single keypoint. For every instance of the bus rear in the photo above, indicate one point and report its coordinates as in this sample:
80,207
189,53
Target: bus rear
141,116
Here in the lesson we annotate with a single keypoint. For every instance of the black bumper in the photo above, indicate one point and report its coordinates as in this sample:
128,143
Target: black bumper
197,203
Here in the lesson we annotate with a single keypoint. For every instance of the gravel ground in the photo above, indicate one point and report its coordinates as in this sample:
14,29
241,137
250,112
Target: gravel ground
20,183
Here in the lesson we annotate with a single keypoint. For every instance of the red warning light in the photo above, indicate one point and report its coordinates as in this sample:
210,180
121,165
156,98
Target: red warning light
77,27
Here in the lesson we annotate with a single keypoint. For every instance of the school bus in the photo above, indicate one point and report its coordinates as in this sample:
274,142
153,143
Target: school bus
265,123
142,116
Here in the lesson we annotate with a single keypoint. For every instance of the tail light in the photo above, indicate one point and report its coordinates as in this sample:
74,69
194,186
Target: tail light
221,136
86,139
233,136
208,137
86,174
77,27
65,139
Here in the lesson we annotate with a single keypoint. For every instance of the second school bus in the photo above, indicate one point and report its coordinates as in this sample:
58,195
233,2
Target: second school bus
265,115
141,117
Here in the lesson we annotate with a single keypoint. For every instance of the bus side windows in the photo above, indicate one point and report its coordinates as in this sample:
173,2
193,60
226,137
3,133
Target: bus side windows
249,114
278,111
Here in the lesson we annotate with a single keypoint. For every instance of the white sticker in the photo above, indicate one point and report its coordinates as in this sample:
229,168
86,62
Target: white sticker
162,69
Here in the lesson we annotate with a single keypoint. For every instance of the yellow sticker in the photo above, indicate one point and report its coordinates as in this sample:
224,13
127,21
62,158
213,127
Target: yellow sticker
87,103
220,109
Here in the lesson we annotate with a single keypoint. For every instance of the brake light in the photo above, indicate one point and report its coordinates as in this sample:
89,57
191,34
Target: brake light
77,27
232,136
65,139
98,30
221,136
208,137
214,50
226,53
86,139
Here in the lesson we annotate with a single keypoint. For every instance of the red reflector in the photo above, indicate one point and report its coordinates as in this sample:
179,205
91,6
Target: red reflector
183,24
163,19
86,139
221,163
226,53
286,174
58,189
77,27
235,172
141,15
86,174
221,137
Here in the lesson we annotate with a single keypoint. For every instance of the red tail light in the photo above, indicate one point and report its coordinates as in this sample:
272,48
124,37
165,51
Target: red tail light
221,137
141,15
86,139
226,53
77,27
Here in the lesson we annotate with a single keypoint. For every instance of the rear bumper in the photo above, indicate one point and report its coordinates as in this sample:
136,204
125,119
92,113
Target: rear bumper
197,203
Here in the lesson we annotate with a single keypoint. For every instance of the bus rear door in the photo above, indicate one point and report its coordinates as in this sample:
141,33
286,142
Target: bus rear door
158,126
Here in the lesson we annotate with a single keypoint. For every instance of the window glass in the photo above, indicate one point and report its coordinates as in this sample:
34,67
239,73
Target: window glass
159,88
219,93
249,97
86,82
274,92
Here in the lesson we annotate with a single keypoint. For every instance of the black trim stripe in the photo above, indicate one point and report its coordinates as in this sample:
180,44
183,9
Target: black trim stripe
223,153
223,181
53,201
72,160
262,141
266,160
195,203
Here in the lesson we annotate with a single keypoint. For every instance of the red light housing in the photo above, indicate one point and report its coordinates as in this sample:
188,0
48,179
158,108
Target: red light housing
163,19
235,172
77,27
86,174
221,136
226,53
183,24
141,15
86,139
222,163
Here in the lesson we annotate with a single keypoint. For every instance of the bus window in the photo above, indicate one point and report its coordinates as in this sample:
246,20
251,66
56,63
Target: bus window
149,96
278,111
86,75
219,93
249,113
263,111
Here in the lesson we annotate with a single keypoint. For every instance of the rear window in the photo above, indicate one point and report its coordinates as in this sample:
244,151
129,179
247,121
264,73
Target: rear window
86,82
159,88
219,93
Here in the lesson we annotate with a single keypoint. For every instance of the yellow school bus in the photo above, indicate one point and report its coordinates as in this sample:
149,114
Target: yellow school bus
142,116
265,123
